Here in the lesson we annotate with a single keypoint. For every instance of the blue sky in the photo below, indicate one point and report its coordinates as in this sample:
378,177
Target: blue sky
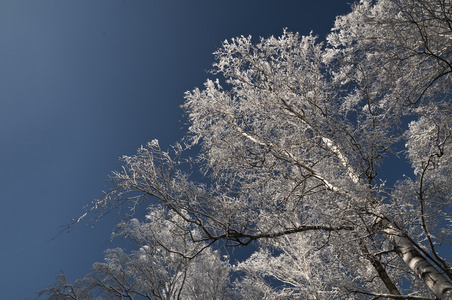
84,82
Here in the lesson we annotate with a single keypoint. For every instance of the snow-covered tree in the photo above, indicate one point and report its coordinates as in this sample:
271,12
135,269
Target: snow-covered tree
166,266
291,137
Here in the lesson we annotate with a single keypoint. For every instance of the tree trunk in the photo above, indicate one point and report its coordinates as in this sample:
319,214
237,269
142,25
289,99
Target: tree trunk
392,288
404,247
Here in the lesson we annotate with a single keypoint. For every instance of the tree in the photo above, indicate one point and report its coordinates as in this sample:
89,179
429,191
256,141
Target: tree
157,270
291,137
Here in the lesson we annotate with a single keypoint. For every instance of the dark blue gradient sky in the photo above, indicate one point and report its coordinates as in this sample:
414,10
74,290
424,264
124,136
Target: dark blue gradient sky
83,82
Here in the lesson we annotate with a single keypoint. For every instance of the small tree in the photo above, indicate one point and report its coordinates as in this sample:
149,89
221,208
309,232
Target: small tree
291,137
167,265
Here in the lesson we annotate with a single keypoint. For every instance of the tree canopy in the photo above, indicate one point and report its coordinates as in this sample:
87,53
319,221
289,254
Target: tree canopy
289,138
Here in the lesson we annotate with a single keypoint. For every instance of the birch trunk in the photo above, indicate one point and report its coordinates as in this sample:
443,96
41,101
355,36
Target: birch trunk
404,247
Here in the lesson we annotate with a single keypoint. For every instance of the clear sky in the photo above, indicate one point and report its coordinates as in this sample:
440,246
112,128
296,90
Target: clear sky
83,82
